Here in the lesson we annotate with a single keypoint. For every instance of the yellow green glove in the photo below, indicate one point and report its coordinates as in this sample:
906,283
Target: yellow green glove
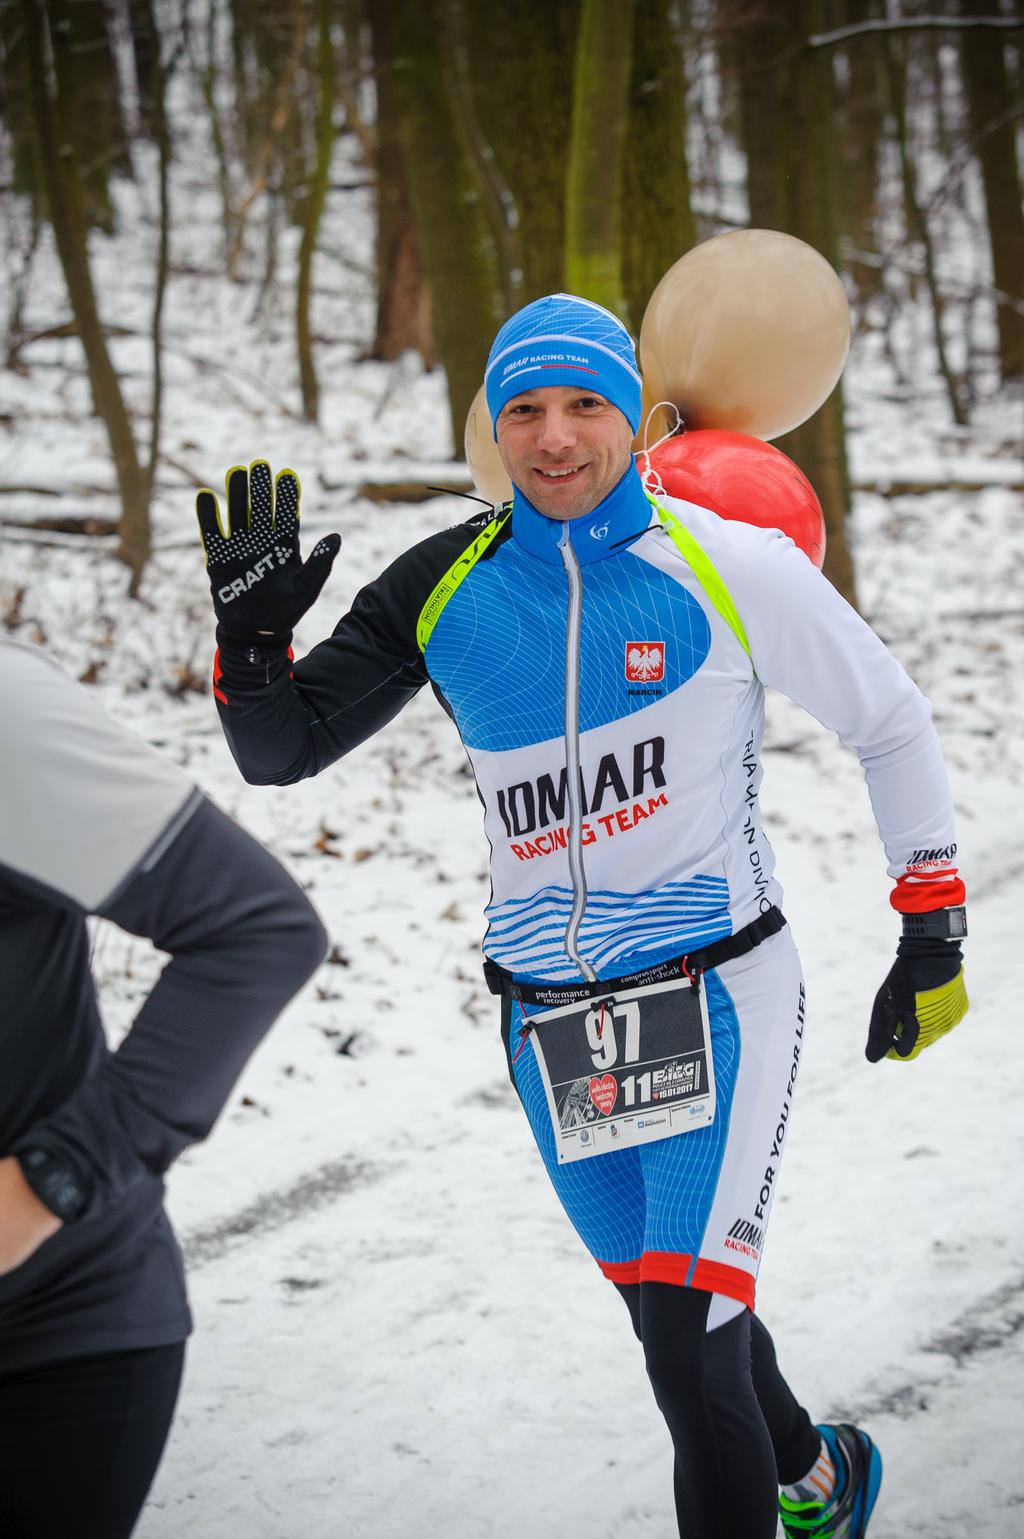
923,998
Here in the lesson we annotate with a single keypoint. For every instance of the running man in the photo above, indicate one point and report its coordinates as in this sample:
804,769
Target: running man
93,1311
603,652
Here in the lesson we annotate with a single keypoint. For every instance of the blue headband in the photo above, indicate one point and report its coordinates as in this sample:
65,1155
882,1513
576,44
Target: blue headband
564,340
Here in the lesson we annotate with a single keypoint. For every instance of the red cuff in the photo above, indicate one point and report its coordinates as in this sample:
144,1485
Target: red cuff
218,674
920,892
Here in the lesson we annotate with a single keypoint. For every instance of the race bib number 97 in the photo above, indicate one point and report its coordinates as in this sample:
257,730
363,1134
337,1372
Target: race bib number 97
629,1069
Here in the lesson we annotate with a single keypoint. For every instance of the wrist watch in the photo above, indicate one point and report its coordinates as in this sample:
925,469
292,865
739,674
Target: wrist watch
55,1182
940,924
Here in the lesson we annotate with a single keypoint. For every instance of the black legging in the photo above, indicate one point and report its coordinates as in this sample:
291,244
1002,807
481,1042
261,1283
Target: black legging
736,1427
80,1441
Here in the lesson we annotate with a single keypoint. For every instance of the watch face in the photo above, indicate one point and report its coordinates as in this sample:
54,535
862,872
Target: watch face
936,924
957,923
53,1183
63,1194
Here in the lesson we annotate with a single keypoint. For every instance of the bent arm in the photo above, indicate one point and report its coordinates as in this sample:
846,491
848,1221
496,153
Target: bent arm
808,642
243,939
92,821
285,721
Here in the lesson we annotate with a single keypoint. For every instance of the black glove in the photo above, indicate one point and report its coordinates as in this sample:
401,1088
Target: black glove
257,578
922,998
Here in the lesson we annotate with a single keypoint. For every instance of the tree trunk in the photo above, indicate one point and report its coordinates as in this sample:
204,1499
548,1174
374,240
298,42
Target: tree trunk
786,106
524,109
266,123
354,66
917,223
27,178
21,265
264,42
208,80
498,202
860,143
140,20
991,99
314,208
403,296
149,40
458,254
69,230
658,223
88,88
271,235
597,150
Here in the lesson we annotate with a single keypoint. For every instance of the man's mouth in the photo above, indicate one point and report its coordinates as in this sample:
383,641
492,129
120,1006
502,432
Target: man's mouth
559,472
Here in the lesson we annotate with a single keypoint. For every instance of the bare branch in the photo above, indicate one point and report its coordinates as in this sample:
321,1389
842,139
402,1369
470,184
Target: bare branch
914,24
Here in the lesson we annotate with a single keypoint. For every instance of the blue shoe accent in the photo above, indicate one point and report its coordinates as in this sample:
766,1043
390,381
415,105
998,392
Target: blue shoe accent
857,1458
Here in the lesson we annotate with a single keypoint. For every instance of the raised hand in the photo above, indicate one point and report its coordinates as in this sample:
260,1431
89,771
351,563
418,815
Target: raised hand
259,583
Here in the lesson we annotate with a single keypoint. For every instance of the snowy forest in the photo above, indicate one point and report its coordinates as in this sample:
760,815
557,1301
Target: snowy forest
232,230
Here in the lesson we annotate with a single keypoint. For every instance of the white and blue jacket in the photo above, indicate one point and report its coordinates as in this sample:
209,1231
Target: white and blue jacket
607,678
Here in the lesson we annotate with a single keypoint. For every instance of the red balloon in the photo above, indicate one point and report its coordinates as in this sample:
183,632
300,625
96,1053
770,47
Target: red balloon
743,478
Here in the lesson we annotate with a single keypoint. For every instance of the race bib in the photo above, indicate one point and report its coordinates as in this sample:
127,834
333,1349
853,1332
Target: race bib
628,1069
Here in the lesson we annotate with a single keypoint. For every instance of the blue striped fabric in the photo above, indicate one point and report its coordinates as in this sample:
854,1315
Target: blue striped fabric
513,695
658,1196
620,931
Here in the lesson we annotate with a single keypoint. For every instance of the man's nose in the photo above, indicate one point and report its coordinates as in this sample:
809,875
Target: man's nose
557,431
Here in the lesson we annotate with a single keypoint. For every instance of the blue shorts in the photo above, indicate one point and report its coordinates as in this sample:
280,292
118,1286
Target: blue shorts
692,1209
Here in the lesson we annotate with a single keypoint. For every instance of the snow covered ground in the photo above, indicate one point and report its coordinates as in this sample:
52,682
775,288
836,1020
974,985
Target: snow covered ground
397,1332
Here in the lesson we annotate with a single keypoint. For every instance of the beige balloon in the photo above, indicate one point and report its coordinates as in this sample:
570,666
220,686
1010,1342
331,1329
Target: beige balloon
748,331
489,475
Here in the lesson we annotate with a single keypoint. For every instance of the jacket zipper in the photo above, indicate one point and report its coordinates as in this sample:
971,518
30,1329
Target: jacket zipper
572,754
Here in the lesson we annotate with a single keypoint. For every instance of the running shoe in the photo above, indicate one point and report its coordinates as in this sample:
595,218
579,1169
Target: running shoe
859,1475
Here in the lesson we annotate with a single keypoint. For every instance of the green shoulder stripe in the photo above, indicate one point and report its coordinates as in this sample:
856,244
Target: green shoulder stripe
456,573
704,570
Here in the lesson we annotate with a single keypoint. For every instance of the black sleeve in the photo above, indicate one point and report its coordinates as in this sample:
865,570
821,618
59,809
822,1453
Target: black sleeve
285,721
243,939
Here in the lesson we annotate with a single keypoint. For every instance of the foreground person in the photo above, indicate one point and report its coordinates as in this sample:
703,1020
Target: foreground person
603,654
93,1311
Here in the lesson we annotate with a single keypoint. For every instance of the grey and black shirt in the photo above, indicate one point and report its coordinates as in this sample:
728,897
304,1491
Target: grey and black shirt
94,822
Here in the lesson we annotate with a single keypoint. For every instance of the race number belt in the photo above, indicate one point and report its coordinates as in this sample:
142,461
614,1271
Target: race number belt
627,1060
627,1069
689,966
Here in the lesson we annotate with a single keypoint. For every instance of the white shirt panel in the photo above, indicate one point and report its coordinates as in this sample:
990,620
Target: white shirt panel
82,801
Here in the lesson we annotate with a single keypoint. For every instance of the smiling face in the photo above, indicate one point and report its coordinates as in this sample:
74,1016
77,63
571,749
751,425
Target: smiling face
564,447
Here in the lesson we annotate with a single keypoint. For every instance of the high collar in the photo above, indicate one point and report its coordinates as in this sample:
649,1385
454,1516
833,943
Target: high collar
623,512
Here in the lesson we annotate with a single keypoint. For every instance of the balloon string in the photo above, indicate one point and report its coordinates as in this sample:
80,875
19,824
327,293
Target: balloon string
649,475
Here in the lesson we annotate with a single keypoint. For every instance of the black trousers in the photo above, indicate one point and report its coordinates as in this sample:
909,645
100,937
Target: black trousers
80,1441
737,1429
